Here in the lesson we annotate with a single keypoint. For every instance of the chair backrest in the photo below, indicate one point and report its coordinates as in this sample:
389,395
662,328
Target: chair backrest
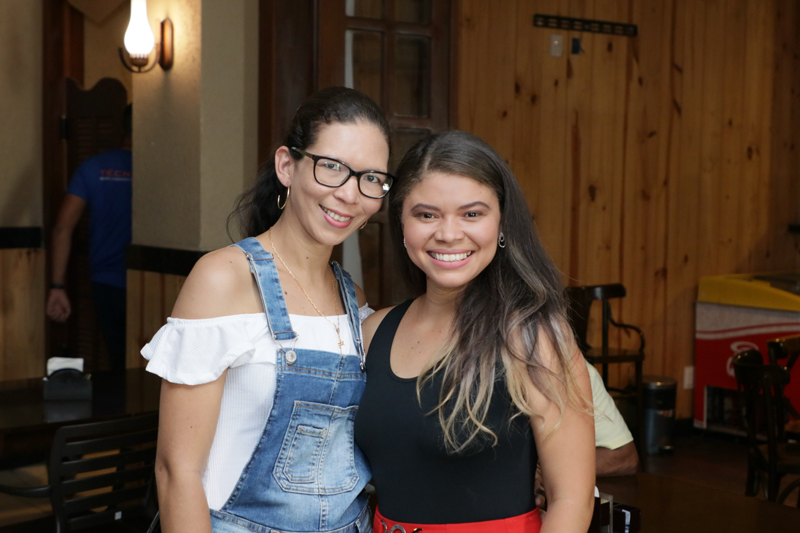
761,383
784,348
101,472
580,305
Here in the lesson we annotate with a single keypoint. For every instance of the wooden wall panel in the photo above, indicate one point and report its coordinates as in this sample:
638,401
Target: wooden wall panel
733,131
784,186
151,297
653,160
497,50
540,130
757,99
648,156
22,315
683,213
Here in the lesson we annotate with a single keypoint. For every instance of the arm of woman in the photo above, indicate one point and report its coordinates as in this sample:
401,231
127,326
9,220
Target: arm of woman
217,286
187,422
567,454
361,296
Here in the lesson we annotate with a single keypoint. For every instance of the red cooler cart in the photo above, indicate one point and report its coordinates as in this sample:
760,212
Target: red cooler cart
735,313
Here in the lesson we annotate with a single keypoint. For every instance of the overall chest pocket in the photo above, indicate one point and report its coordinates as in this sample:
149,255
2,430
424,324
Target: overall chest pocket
317,454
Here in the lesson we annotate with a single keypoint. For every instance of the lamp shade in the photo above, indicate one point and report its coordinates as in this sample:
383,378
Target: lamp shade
139,40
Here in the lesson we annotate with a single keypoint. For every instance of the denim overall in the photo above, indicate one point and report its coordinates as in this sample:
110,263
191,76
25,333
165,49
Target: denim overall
305,474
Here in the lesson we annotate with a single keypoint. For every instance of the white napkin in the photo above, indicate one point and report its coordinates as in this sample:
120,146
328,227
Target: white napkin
59,363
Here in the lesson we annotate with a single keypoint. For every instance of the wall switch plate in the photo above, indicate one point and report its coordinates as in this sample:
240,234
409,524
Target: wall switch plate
556,45
688,377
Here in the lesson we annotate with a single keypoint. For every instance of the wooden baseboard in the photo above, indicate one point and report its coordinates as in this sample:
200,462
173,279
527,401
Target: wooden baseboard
162,260
25,237
22,313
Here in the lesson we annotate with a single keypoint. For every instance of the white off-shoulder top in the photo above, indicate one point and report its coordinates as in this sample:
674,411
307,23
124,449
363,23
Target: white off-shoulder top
192,352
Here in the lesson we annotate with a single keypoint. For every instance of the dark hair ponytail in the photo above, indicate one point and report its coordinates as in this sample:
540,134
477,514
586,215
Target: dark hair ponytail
257,209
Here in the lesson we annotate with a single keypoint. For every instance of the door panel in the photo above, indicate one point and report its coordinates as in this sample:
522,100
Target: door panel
398,53
93,124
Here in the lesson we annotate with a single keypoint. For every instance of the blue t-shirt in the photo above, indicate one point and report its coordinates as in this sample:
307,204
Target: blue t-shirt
104,181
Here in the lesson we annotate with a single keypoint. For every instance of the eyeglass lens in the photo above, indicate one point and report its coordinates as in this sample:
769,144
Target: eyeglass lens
333,173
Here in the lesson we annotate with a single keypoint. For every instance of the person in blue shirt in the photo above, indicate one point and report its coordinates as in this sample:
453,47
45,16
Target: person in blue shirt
103,182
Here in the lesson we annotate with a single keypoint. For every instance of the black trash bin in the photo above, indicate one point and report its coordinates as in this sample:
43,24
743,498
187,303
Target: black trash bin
659,413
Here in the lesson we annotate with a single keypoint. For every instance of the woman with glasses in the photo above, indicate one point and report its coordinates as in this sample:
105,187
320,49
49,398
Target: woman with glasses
262,360
477,379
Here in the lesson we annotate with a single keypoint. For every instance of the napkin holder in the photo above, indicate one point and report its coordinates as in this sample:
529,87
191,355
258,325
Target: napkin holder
627,518
602,517
68,384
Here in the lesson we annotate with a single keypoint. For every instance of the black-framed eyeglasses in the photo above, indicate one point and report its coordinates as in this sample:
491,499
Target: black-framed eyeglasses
333,173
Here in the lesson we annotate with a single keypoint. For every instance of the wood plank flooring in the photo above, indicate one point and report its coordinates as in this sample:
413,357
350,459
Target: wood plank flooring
706,459
13,509
710,460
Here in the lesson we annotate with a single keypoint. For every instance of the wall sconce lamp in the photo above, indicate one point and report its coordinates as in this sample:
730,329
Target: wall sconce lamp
139,41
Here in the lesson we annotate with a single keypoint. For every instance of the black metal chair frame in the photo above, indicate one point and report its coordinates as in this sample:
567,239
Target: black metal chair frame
757,381
785,348
126,445
580,302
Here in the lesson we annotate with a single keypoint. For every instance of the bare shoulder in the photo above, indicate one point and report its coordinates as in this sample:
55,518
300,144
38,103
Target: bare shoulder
547,356
545,348
218,285
370,325
360,296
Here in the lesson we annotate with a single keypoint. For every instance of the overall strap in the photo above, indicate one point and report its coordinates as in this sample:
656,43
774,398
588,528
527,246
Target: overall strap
269,286
348,291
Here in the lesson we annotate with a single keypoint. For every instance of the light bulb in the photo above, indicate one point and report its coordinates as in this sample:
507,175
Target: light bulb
139,40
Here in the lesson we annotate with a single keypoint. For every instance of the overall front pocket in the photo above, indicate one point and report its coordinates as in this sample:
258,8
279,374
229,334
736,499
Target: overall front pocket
317,454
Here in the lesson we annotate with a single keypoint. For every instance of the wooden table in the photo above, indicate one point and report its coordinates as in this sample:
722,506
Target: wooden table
27,422
673,506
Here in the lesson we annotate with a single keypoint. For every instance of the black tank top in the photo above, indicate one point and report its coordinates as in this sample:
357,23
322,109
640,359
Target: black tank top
416,479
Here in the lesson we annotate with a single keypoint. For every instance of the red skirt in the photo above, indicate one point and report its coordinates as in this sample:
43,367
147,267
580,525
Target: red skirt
526,523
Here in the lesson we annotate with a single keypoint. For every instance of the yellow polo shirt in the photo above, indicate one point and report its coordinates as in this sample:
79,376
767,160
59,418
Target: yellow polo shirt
610,430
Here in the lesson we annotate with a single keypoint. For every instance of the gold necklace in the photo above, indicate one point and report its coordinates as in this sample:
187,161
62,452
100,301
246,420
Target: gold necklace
333,291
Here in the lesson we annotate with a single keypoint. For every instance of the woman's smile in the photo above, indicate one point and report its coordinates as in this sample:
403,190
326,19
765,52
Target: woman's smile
335,218
451,224
330,214
450,259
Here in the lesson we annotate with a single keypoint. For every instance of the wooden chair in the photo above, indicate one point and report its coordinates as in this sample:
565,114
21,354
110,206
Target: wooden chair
100,477
762,384
784,348
778,350
580,303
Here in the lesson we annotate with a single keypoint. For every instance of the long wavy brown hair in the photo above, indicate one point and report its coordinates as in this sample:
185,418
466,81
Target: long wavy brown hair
503,312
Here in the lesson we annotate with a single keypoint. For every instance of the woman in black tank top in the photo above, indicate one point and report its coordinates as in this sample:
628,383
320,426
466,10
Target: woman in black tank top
476,380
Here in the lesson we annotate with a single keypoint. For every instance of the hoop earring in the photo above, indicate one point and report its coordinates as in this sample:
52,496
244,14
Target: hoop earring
501,240
288,191
364,225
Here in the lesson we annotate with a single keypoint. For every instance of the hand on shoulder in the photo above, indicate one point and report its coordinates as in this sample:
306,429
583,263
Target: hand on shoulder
220,284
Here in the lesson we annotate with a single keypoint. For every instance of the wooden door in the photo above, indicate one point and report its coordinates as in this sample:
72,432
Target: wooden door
398,53
91,123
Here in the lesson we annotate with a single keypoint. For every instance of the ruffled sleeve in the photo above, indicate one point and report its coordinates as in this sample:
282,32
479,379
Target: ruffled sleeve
192,352
364,311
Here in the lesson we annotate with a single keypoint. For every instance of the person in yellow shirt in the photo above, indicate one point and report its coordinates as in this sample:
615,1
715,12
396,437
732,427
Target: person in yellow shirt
615,453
